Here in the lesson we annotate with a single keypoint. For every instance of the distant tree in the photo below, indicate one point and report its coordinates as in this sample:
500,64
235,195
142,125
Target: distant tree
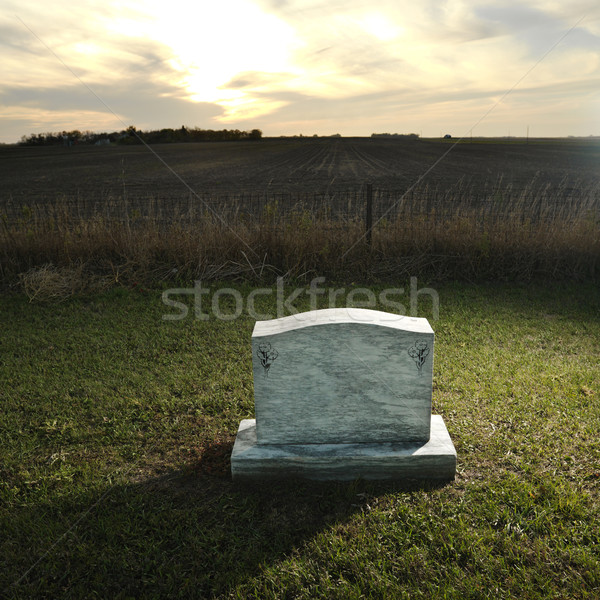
412,136
131,135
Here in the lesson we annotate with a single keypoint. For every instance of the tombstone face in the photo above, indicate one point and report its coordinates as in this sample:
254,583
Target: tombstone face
339,376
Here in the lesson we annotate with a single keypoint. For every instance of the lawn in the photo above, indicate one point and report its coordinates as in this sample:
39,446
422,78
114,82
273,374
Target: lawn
116,428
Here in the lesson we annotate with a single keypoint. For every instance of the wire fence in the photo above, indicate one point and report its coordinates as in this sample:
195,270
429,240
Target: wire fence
366,204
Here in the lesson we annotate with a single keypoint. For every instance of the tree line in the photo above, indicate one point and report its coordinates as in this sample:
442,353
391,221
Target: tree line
410,136
131,136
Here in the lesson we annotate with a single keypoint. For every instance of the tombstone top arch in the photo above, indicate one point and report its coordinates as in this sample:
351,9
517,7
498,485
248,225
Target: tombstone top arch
328,316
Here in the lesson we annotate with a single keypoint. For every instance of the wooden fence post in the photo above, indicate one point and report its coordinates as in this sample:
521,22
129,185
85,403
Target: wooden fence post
369,216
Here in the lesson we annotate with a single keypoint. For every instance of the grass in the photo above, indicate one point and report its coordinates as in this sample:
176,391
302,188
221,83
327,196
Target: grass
116,429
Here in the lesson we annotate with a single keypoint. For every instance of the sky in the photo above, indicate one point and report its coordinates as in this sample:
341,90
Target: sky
289,67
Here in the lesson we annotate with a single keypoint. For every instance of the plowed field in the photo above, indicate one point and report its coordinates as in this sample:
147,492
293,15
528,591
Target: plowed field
32,176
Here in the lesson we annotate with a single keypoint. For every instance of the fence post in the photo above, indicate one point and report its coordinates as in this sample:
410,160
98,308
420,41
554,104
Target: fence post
369,217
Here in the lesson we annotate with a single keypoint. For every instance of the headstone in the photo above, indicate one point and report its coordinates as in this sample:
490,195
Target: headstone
340,394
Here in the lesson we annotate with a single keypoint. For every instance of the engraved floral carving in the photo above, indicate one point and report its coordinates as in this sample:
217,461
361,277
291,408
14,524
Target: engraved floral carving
267,356
419,351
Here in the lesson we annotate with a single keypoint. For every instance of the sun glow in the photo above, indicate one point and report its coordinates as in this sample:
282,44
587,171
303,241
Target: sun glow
212,43
381,27
87,49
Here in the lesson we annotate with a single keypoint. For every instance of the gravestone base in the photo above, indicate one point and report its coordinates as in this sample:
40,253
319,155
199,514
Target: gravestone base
434,460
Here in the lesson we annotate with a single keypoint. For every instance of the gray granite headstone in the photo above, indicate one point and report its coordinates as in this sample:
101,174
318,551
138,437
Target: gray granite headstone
343,393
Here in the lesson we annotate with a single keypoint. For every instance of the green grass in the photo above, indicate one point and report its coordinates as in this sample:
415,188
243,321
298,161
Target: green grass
116,428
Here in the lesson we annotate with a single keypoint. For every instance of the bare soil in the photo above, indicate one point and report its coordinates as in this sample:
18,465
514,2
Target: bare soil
301,166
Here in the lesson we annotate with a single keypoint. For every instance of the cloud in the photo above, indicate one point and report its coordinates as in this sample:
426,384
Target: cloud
276,64
462,56
113,107
122,79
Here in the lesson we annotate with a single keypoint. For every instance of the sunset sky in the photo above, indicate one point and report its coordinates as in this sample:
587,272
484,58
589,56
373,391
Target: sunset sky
299,66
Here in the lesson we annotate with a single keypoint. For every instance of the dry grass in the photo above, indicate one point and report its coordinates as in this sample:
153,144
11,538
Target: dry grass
50,283
54,253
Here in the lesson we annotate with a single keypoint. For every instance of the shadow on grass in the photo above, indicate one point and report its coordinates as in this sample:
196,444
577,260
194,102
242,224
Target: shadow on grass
189,533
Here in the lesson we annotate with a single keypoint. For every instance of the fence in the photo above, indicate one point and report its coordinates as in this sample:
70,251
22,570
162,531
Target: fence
375,207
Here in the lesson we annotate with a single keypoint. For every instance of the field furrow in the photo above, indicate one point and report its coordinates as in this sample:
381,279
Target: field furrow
485,170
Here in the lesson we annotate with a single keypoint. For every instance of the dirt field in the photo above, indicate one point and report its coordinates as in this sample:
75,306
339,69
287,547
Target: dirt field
294,166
